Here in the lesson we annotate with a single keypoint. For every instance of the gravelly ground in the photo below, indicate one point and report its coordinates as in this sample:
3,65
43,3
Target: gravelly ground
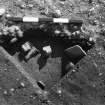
83,87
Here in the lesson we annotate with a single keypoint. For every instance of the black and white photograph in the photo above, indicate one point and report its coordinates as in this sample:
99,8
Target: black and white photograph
52,52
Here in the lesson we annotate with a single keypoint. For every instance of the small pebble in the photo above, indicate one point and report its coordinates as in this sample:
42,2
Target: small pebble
41,85
26,46
73,33
100,74
12,89
13,40
58,12
73,70
30,5
57,32
1,34
17,79
94,85
5,92
70,66
59,91
5,31
11,30
23,6
19,0
90,39
5,69
75,27
16,28
33,97
8,15
62,2
20,34
22,84
67,32
2,11
77,32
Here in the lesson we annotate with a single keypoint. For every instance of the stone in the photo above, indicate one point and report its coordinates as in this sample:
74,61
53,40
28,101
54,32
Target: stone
41,85
22,84
26,46
75,53
47,49
2,11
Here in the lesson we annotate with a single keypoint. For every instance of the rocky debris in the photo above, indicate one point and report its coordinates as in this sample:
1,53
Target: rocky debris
33,51
29,50
12,33
47,50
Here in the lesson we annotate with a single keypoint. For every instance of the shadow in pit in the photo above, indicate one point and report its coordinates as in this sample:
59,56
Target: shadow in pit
42,62
11,48
39,39
68,64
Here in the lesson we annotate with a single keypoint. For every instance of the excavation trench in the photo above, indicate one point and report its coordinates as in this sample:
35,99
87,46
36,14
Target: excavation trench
40,38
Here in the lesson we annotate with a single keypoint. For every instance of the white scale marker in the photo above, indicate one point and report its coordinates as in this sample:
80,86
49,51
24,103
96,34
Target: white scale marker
61,20
36,19
30,19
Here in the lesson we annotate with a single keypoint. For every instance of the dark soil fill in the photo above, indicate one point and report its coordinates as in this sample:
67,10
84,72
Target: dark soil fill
40,39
